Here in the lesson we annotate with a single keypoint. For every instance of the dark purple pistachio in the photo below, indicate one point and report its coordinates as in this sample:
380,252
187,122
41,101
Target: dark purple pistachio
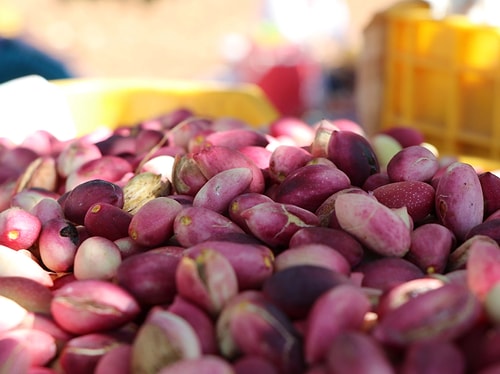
312,281
149,277
107,220
490,184
82,197
118,144
353,154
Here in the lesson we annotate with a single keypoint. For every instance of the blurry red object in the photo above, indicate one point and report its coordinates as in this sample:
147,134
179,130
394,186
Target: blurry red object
283,86
283,72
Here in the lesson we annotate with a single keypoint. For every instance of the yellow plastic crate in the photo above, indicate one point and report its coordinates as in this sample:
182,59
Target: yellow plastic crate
110,103
444,78
440,76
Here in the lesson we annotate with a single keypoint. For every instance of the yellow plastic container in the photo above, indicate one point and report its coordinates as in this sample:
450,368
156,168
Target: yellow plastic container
443,77
110,103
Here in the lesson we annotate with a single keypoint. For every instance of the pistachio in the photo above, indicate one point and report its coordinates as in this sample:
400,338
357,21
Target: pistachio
142,188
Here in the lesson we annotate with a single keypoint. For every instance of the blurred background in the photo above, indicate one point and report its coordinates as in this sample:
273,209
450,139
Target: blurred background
311,44
161,38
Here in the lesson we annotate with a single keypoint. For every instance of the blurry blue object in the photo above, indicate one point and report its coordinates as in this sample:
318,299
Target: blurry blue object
18,59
